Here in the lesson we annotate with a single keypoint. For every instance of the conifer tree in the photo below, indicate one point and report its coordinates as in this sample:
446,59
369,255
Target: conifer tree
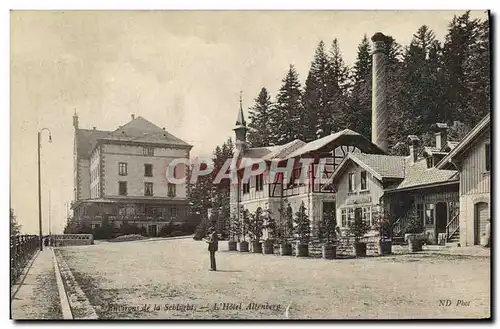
358,116
459,45
260,128
287,118
302,224
338,84
316,93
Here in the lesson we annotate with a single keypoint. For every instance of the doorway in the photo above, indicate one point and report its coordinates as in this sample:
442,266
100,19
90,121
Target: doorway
329,209
480,221
152,230
441,217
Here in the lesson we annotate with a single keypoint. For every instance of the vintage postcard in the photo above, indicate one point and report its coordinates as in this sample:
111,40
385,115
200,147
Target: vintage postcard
250,165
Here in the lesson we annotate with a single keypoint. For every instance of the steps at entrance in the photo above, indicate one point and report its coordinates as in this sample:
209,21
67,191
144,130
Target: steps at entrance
455,238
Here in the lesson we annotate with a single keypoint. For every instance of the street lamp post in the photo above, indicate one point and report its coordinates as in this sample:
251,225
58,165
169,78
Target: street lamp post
40,185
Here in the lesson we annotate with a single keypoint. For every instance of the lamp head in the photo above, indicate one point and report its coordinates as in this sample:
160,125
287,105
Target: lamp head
50,138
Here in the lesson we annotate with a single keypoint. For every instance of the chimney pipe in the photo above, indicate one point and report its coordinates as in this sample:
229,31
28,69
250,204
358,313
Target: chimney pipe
133,116
441,130
413,142
379,88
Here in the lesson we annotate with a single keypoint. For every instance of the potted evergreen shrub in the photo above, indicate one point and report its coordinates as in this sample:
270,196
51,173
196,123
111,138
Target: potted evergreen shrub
383,223
327,235
245,220
414,231
285,229
358,228
302,231
234,233
270,226
255,227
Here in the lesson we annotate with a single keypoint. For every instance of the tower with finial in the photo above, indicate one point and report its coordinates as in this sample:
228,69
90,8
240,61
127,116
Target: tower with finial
240,128
75,120
240,146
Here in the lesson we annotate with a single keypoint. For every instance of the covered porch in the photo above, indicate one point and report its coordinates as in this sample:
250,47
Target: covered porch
432,210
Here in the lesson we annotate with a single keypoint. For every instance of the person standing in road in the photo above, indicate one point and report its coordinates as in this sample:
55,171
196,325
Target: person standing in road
213,246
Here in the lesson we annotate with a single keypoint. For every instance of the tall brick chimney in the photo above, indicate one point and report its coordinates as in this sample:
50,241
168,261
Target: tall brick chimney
413,142
379,90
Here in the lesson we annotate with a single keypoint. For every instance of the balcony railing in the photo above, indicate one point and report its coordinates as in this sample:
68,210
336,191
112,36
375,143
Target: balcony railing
130,218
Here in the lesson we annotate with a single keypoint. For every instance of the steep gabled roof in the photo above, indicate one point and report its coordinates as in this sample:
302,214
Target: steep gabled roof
317,144
271,152
137,130
380,166
384,166
86,141
466,142
283,151
141,130
418,174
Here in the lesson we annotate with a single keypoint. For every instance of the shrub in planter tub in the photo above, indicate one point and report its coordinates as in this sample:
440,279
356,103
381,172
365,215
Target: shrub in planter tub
327,235
284,230
255,227
234,232
358,228
384,225
245,220
271,228
302,230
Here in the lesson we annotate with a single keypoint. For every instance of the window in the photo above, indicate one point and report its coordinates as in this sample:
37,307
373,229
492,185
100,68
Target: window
246,188
259,182
343,216
148,189
173,212
148,170
297,172
366,214
429,214
420,212
350,215
171,190
96,226
122,188
148,151
122,168
487,150
351,182
363,180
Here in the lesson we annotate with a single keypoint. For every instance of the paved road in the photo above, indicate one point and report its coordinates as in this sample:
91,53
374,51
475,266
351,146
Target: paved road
127,280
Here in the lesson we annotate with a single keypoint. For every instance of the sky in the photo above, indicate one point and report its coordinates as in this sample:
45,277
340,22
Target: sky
182,70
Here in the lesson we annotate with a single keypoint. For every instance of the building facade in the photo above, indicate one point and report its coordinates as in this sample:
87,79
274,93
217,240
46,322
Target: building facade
120,176
472,158
402,187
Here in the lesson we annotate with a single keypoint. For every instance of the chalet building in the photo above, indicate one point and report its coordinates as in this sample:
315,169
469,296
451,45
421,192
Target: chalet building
446,186
272,195
120,176
472,158
259,191
366,184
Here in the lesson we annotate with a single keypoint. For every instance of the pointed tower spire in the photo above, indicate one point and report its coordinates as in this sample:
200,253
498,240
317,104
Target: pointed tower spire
75,120
241,126
240,120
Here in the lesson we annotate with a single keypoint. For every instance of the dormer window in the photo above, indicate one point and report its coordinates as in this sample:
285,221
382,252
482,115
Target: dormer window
148,151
